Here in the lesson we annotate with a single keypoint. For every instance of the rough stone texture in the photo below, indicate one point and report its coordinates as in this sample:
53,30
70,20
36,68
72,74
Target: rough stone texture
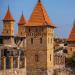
13,72
21,31
44,50
8,32
71,51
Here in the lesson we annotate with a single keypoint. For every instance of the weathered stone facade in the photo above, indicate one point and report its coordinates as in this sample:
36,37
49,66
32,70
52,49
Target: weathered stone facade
38,35
39,49
8,29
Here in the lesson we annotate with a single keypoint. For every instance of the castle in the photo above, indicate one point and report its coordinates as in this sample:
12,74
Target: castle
33,53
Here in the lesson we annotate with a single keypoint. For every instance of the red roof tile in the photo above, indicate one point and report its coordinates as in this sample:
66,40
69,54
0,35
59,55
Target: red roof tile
72,35
8,16
22,20
39,16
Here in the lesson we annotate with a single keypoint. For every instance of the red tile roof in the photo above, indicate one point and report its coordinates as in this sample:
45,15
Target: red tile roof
72,35
39,16
8,16
22,20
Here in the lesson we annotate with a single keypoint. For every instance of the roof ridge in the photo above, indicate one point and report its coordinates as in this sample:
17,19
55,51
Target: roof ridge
42,7
43,12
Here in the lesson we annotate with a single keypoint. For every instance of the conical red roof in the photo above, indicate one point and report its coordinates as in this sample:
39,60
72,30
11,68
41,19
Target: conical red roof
39,16
22,20
8,16
72,34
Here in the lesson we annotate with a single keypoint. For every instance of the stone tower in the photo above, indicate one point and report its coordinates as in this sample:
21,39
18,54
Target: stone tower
39,42
21,26
71,42
21,31
8,29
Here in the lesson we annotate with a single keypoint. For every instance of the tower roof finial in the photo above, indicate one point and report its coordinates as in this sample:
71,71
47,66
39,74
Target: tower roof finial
22,20
8,7
74,22
22,13
8,16
39,0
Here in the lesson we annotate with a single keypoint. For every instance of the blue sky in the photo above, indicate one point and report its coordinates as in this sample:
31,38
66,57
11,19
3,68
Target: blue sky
61,12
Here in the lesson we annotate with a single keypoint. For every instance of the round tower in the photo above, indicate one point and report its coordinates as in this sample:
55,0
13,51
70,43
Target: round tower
21,31
21,27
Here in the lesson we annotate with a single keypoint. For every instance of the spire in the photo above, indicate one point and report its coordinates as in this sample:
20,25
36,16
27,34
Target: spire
22,20
39,16
72,34
8,16
39,1
74,23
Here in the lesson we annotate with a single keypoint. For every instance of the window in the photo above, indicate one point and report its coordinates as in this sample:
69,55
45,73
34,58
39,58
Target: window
31,40
22,62
21,33
36,58
36,30
51,40
29,29
50,57
71,49
7,31
40,40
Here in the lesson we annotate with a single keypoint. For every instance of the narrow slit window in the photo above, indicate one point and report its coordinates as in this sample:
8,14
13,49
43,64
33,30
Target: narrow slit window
50,57
36,58
51,40
40,40
31,40
29,29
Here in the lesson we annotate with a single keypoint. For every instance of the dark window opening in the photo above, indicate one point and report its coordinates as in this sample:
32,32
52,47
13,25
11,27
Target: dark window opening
22,62
29,29
36,30
36,58
7,31
51,40
31,40
50,57
40,40
70,49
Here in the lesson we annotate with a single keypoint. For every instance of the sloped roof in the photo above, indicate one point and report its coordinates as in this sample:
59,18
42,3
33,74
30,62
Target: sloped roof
39,16
72,34
22,20
8,16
